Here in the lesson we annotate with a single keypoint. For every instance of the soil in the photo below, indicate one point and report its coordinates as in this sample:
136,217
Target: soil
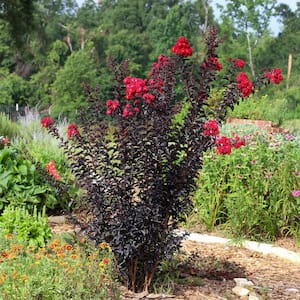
210,272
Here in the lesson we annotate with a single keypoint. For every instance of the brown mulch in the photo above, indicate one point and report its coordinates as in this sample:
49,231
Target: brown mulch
214,266
273,277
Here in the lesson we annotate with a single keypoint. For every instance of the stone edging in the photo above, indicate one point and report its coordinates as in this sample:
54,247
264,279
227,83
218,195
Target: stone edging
254,246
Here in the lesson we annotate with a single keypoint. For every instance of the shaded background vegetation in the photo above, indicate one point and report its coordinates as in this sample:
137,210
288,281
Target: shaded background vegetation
45,62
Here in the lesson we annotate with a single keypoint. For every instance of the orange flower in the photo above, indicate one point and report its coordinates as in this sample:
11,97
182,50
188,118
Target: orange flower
67,247
105,260
3,278
9,236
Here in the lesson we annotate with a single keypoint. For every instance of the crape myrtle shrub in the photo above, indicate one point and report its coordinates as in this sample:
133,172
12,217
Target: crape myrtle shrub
138,166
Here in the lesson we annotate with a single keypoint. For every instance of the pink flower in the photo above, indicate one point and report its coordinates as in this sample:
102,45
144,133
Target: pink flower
296,193
111,105
182,47
244,84
223,145
275,76
47,122
52,170
211,128
73,131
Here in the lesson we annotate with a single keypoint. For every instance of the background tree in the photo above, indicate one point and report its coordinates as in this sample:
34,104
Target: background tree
251,19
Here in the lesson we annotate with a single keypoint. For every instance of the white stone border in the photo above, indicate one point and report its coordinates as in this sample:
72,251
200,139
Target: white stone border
254,246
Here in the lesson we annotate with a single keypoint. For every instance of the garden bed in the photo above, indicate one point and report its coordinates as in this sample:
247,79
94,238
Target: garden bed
213,267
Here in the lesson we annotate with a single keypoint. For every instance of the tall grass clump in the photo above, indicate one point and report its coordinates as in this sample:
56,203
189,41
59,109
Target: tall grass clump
7,127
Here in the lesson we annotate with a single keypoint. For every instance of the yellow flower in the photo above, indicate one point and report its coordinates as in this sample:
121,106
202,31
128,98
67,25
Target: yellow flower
104,245
23,277
14,275
3,278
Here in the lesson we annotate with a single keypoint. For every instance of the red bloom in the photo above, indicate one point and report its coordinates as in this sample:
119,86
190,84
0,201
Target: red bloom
149,98
275,76
47,122
112,105
212,63
211,128
52,170
223,145
73,131
128,111
182,47
239,63
135,87
244,84
238,142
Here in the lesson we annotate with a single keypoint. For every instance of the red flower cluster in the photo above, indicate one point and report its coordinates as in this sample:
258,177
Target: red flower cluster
212,63
161,61
135,87
73,131
275,76
238,142
211,128
111,105
244,84
129,110
52,170
47,122
223,145
237,62
182,47
149,98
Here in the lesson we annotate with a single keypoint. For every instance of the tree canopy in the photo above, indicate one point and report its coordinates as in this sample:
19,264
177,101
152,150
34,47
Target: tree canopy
48,48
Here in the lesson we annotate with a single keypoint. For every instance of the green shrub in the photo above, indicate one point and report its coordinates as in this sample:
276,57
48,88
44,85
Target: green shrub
249,191
32,228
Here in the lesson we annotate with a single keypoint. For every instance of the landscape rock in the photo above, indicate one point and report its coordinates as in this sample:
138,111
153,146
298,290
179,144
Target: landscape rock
240,291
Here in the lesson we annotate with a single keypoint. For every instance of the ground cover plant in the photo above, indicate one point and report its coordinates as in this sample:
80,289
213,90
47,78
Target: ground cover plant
61,270
138,165
250,190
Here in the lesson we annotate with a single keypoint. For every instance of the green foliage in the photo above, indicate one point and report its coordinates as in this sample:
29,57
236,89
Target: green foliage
30,227
13,88
7,127
249,191
262,108
68,93
21,184
59,271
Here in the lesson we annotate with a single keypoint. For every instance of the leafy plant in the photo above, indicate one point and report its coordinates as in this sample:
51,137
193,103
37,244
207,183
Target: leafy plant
58,271
28,227
138,166
22,185
249,191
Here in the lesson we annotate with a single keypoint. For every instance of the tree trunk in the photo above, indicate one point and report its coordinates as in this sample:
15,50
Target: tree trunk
250,55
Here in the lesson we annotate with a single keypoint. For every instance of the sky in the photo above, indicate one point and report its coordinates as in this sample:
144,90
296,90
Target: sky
275,26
